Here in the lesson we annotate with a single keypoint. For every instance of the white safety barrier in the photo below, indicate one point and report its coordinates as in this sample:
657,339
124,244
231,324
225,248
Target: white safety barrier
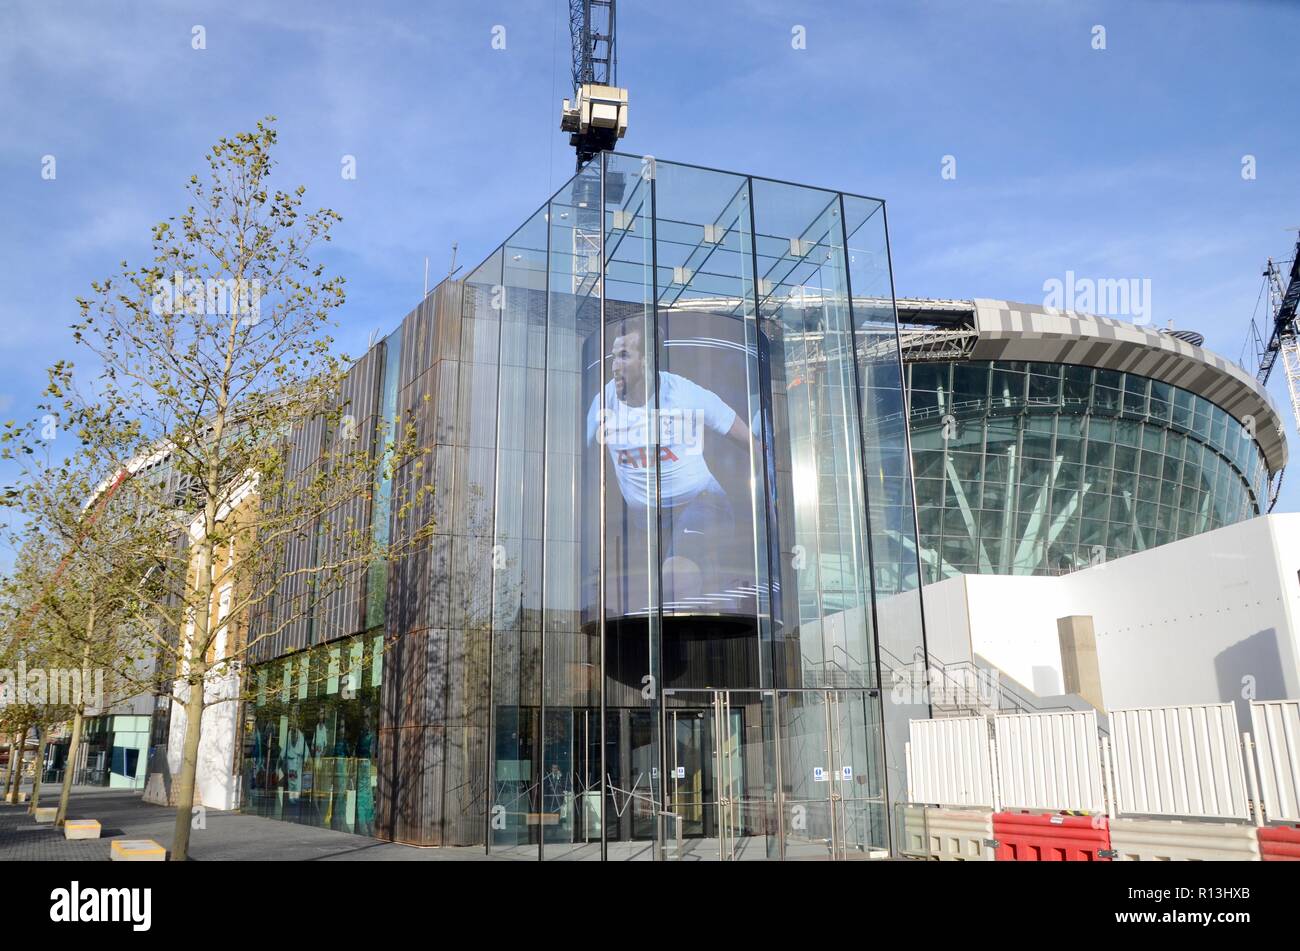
1173,840
960,835
949,762
948,835
1179,761
1276,724
1049,761
915,840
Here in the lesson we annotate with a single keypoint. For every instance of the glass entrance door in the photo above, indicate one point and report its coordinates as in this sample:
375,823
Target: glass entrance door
717,804
831,801
785,774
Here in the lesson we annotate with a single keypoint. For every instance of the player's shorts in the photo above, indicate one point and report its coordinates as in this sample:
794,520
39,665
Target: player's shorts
699,527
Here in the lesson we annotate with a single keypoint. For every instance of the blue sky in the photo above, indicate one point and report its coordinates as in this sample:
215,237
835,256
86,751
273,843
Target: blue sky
1116,163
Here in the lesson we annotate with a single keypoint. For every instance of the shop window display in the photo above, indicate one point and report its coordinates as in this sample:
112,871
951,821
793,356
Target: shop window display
310,737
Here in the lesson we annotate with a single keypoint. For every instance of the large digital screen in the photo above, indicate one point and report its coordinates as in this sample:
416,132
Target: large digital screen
694,453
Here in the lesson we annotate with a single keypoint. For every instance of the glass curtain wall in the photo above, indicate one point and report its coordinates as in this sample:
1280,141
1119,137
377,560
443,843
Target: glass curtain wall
700,443
1043,468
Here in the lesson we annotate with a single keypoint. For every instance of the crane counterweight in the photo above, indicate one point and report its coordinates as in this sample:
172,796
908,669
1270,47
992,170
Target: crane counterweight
596,118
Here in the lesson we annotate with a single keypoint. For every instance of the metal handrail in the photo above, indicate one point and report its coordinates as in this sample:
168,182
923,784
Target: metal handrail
1018,701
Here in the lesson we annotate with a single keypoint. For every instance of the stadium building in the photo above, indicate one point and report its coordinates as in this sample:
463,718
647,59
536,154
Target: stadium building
1046,441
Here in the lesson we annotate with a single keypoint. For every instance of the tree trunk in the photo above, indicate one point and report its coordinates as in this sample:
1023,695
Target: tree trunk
70,767
195,660
74,744
22,755
40,768
189,768
9,776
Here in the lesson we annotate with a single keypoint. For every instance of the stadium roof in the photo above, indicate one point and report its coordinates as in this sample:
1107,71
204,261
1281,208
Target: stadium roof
1006,330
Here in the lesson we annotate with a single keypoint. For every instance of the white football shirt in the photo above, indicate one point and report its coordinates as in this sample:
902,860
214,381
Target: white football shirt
686,409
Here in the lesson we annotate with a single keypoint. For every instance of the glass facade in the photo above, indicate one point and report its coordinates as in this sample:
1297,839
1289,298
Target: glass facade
685,658
310,736
1042,468
673,571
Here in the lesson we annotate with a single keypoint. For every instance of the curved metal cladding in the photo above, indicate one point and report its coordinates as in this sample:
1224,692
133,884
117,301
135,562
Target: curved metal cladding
1062,440
673,590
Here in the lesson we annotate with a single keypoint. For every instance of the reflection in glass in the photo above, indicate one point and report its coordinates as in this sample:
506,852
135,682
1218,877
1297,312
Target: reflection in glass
310,737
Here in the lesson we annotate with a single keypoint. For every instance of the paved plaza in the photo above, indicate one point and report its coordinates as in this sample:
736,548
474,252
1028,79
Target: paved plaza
122,814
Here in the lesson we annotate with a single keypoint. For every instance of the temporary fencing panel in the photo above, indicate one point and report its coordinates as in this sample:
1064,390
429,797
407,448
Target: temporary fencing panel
1179,761
1276,725
1049,761
1166,840
949,763
1024,837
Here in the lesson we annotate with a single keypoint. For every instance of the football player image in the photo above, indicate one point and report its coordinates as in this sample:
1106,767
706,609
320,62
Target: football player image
698,516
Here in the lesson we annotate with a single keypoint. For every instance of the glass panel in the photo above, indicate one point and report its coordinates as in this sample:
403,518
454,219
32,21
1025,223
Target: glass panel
1201,421
824,607
1075,388
579,747
469,451
718,755
1219,434
1182,413
1161,393
930,392
517,811
970,381
894,547
380,519
1044,384
648,440
1135,395
1008,385
713,346
712,472
1106,393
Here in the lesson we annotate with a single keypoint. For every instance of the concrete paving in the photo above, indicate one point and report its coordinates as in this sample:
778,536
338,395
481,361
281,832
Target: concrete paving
228,836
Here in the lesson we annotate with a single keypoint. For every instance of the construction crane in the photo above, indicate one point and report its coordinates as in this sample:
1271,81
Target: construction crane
1283,301
597,116
1284,336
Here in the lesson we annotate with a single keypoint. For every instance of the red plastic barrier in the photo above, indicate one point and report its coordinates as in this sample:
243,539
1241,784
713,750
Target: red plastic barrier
1023,837
1279,843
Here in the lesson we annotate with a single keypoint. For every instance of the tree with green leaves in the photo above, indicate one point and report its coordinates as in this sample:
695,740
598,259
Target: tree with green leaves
71,609
217,411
